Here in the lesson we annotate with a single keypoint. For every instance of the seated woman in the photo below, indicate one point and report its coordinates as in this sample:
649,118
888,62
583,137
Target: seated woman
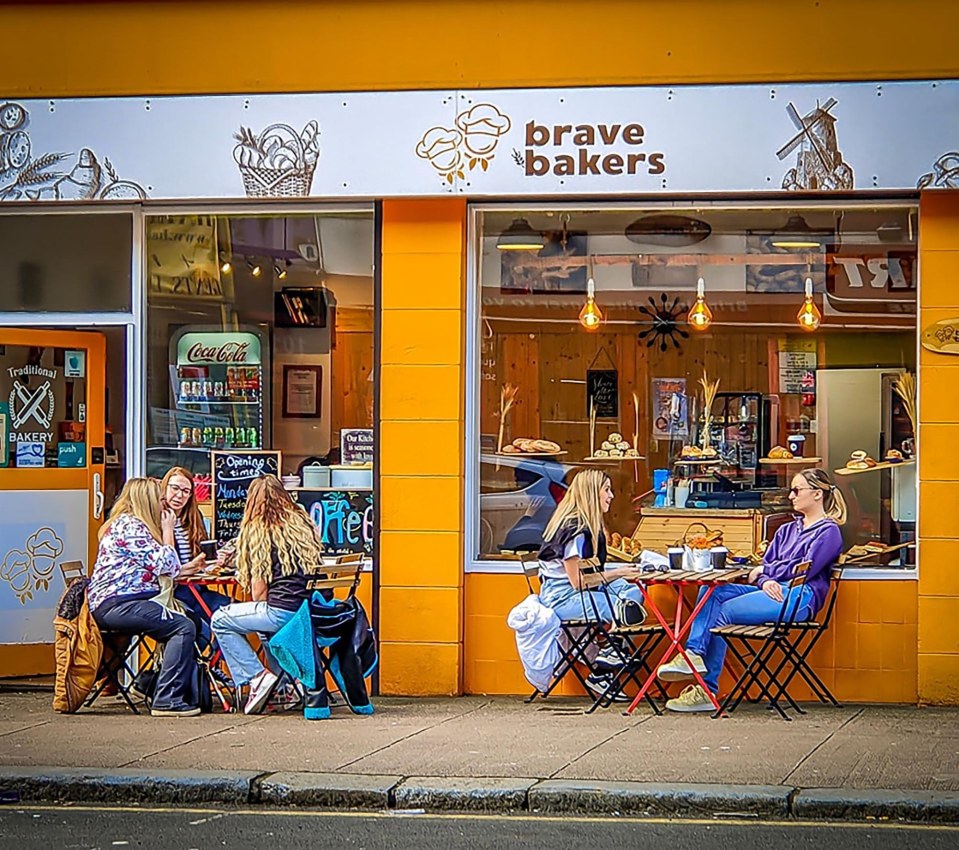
814,536
177,492
576,532
130,560
276,546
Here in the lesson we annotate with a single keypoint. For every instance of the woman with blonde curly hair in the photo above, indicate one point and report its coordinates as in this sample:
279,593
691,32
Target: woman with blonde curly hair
276,547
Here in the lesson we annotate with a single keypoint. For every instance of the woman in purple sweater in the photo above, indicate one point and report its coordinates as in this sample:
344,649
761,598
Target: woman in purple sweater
814,537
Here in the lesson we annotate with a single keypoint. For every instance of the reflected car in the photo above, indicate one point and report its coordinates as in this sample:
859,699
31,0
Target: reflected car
517,497
162,458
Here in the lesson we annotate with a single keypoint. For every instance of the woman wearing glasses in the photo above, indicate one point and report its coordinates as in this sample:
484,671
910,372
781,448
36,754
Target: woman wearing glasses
815,537
188,530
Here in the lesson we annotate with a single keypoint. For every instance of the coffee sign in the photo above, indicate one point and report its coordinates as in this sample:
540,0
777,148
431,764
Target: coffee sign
229,349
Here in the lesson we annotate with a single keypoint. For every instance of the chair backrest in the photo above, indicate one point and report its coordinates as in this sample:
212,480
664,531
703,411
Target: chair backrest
342,571
591,573
836,577
790,606
529,562
71,571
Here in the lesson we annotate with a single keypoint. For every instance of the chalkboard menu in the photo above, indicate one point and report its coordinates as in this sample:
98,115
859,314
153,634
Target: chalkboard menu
344,517
602,389
356,445
233,473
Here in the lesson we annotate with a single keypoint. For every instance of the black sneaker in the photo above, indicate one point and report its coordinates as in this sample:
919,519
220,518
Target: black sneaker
599,684
608,659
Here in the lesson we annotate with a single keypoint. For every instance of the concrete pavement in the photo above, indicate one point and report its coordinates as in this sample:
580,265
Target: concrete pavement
498,754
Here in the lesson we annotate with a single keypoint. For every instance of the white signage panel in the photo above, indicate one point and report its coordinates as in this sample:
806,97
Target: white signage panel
517,142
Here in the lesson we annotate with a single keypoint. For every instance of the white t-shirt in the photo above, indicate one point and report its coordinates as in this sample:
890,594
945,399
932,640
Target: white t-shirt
556,569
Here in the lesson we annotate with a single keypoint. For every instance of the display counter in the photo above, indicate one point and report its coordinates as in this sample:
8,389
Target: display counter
743,528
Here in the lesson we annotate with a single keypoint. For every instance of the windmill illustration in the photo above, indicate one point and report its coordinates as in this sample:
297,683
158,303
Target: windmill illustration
819,164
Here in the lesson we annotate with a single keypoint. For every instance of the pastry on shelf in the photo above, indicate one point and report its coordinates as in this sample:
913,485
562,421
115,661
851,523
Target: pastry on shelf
691,453
622,445
860,460
893,456
617,453
601,453
525,445
780,453
607,445
615,437
709,452
632,453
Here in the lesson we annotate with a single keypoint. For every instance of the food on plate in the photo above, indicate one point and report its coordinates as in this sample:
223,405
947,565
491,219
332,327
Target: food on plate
632,453
511,450
601,453
780,453
615,437
616,453
709,452
526,445
622,445
546,446
860,460
893,456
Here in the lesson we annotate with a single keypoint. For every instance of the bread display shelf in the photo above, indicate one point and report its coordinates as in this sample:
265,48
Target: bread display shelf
621,555
883,465
699,461
612,459
797,461
530,454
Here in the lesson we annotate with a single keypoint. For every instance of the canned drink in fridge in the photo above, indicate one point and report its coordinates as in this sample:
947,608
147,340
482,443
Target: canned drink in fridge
186,436
196,390
197,437
218,389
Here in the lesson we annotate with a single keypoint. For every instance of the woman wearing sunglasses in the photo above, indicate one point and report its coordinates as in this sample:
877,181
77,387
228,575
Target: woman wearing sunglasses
815,537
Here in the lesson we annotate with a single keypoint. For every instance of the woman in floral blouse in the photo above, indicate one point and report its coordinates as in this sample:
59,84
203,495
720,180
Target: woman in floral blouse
130,560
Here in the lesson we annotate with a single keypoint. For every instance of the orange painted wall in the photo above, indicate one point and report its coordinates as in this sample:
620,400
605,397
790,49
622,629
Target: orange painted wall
421,446
868,655
211,46
938,473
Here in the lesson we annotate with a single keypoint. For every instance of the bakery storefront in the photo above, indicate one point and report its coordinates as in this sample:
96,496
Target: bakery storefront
698,289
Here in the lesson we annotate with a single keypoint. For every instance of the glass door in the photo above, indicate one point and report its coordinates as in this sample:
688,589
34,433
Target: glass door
52,464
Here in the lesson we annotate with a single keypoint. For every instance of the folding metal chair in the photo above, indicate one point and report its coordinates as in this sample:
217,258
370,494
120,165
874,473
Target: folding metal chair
578,635
756,647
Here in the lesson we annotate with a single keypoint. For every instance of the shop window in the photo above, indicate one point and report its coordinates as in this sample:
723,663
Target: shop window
597,329
261,337
92,251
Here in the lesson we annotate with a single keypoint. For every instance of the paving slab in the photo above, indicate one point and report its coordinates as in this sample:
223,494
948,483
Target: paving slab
327,790
751,746
485,794
654,799
287,742
504,738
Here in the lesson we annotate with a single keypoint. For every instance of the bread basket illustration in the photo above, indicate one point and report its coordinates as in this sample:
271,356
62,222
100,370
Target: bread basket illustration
278,162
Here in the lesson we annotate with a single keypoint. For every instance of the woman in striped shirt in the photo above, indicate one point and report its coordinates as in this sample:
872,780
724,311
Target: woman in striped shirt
188,530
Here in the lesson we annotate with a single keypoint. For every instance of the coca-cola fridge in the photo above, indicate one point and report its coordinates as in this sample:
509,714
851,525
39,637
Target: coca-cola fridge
220,385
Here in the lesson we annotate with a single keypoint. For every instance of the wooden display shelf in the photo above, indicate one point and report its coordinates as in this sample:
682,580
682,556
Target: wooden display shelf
611,459
884,465
530,454
786,461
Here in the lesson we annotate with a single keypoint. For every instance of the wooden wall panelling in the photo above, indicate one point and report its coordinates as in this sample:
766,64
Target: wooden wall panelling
351,391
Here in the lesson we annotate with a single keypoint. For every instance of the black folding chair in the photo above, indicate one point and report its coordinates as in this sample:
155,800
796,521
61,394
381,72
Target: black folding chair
578,634
773,654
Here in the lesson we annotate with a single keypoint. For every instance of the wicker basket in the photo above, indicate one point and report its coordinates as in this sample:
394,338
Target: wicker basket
262,182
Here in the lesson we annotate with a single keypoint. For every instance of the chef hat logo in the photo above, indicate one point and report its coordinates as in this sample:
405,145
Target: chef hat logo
44,547
15,569
440,145
482,125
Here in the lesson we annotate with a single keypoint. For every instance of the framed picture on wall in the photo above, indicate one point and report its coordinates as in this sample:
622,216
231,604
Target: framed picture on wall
302,385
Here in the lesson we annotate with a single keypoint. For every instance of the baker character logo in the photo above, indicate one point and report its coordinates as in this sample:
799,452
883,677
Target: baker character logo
470,143
28,404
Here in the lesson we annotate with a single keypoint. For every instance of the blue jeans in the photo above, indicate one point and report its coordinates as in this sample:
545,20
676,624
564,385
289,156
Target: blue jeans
214,601
740,605
174,631
572,604
231,625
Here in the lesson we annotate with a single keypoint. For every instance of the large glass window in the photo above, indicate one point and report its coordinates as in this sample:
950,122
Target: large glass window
261,337
66,263
590,342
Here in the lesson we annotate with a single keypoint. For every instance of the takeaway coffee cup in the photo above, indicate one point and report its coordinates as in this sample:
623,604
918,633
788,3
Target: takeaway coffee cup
717,557
675,557
796,443
208,548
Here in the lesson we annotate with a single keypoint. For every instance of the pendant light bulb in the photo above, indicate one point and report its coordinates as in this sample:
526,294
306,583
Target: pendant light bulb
591,317
700,316
809,316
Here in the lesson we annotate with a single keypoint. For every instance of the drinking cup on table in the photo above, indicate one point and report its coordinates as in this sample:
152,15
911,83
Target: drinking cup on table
675,557
208,548
717,557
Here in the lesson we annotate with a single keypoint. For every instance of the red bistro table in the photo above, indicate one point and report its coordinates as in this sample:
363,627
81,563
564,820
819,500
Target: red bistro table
676,631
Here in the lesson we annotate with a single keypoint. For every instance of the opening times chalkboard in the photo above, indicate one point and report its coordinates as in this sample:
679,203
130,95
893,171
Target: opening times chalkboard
233,473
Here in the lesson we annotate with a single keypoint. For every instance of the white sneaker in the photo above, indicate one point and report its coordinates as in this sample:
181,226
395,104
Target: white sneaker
693,698
260,689
677,669
609,658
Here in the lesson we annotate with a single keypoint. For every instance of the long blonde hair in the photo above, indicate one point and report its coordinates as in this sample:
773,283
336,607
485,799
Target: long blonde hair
140,498
833,503
190,518
271,521
581,505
